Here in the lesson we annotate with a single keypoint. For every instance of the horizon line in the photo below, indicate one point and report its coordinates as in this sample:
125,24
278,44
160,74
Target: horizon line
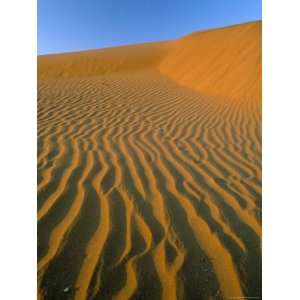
151,41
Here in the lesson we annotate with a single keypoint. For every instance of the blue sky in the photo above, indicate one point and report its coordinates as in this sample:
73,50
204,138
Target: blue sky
72,25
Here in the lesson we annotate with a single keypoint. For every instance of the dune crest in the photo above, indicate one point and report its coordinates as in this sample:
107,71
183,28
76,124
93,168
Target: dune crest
101,62
223,62
149,169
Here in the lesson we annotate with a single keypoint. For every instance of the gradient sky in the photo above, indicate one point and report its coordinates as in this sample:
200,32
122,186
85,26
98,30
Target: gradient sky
72,25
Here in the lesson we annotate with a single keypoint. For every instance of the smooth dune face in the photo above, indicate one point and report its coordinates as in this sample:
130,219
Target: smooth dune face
149,170
222,62
101,62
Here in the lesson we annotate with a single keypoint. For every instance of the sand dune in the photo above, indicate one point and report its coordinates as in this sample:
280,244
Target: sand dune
231,66
149,169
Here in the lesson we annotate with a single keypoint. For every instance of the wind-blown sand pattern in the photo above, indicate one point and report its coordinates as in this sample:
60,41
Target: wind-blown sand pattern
149,169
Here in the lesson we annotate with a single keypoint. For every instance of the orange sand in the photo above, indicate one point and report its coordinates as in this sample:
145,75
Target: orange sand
149,169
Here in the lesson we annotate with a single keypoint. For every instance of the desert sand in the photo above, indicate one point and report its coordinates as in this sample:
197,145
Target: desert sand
149,169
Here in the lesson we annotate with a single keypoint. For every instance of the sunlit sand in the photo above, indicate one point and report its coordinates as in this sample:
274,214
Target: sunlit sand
149,169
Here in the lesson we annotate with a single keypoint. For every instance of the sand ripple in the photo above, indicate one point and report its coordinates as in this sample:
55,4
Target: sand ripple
146,189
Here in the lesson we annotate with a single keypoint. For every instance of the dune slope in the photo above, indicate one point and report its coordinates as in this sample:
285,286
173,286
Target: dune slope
149,169
222,62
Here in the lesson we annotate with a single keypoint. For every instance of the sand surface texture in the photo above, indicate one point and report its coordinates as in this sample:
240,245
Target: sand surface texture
149,169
